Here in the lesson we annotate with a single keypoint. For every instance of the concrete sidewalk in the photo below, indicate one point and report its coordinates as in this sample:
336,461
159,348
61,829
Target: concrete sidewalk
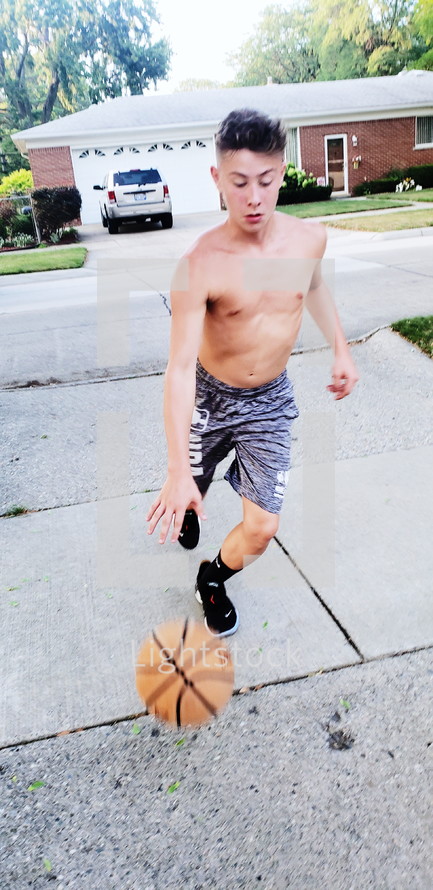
317,773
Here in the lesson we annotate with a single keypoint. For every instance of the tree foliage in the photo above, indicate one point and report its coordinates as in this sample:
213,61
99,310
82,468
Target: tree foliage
62,55
334,39
424,19
19,182
281,49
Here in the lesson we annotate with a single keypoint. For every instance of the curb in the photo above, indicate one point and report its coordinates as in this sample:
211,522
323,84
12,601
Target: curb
402,233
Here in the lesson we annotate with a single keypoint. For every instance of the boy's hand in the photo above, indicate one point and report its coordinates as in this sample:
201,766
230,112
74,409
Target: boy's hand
344,376
176,495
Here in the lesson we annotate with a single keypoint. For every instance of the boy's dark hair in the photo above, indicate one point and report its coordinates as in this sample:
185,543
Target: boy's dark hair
246,128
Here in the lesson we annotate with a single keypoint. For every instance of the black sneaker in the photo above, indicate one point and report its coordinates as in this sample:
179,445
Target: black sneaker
220,615
189,534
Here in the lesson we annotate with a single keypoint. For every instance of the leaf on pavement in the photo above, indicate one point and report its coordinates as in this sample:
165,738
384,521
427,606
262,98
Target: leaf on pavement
173,787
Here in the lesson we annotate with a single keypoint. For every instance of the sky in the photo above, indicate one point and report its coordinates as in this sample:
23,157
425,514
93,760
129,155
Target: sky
202,33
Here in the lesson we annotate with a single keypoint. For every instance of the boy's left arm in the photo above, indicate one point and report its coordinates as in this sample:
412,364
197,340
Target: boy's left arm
321,307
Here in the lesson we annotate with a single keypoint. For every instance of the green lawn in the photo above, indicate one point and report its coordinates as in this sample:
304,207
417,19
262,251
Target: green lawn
418,330
340,205
389,222
42,260
411,195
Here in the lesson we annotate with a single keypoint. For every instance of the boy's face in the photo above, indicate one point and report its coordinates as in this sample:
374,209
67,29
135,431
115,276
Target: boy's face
249,182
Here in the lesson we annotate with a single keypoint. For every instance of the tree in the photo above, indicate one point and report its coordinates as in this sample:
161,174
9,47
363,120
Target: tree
423,18
340,61
425,62
334,39
281,49
380,30
62,55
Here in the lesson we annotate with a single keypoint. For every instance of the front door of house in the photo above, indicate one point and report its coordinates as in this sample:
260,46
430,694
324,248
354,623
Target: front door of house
336,162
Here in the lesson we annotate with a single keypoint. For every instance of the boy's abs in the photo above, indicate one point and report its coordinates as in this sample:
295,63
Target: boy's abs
249,350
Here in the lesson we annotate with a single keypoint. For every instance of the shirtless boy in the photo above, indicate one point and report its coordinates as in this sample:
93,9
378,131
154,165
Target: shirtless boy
237,302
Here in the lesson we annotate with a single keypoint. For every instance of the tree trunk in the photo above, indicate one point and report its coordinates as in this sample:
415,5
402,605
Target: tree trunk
51,98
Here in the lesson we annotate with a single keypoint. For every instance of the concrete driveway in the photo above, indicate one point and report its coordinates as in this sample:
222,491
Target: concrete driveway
149,239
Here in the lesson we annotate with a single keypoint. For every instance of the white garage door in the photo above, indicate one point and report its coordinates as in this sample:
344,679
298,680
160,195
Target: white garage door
184,164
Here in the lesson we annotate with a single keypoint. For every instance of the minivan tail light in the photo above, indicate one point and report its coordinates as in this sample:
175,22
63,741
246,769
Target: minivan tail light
166,192
112,197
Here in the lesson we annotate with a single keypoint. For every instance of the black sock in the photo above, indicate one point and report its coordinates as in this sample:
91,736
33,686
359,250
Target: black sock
216,573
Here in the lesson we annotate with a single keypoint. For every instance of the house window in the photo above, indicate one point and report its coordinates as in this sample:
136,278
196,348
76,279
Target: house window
200,144
186,144
292,147
153,147
119,151
424,131
167,147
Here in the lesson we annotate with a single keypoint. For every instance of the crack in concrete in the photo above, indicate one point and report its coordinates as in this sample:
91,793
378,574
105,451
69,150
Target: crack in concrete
236,692
53,382
321,601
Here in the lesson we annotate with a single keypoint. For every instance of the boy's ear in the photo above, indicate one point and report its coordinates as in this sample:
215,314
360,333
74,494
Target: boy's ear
215,175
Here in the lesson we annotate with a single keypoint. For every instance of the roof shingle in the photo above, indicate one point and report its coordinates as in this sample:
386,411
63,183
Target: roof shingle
296,101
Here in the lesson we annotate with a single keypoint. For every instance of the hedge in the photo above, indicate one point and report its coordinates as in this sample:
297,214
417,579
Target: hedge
422,175
304,195
375,187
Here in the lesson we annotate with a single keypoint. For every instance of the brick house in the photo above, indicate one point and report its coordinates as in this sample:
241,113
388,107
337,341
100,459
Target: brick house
344,132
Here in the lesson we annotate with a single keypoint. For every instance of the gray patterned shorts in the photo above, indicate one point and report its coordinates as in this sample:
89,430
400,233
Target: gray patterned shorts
257,423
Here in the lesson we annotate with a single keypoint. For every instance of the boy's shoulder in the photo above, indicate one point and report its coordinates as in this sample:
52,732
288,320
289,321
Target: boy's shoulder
311,233
206,244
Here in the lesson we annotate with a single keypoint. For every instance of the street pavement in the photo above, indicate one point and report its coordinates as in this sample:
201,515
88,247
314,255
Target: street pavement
318,772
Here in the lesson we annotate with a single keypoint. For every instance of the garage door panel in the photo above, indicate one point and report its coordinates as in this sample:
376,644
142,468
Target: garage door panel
184,164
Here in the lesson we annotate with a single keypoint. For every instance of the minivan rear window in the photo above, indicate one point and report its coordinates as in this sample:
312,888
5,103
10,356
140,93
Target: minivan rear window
136,177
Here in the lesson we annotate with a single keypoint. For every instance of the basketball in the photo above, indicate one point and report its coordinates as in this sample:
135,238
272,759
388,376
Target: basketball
184,674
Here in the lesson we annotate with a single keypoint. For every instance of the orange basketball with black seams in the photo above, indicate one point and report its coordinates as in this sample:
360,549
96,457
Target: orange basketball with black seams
184,674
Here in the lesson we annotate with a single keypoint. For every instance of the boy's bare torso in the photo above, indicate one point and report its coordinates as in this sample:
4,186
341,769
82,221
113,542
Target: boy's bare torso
255,296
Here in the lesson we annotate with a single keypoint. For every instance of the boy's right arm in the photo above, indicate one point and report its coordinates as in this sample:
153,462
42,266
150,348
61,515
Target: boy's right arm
188,303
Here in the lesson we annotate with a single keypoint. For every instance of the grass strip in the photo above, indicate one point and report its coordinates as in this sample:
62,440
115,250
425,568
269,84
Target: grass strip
340,205
389,222
418,330
42,260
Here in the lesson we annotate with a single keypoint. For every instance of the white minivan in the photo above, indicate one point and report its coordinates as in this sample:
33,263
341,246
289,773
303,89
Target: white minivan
134,195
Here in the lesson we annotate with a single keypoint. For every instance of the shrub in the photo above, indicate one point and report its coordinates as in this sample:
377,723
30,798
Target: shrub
14,223
54,208
22,240
7,211
20,182
295,178
375,187
70,234
7,214
422,175
22,224
298,187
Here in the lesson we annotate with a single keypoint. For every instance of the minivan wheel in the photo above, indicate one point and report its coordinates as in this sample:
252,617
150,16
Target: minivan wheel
113,226
104,220
167,220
